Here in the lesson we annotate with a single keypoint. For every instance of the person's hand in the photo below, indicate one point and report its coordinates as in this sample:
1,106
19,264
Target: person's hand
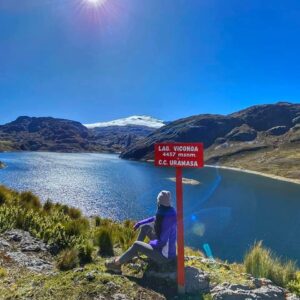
153,243
136,226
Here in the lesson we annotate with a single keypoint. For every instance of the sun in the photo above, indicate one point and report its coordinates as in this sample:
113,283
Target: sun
96,2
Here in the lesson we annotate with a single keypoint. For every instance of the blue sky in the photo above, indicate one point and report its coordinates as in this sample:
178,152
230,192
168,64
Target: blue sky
165,58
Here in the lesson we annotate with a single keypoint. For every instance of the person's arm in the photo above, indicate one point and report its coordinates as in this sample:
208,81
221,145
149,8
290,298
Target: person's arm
144,222
164,236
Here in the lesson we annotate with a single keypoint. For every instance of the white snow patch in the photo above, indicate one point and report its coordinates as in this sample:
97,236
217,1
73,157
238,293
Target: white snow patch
133,120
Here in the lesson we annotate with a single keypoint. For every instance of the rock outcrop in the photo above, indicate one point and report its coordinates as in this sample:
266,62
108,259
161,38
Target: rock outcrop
25,251
267,291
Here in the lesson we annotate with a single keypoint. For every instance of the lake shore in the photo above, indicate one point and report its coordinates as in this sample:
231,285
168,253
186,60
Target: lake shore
297,181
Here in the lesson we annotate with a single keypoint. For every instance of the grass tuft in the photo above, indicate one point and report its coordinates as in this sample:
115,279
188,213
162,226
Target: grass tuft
67,260
261,262
85,252
28,200
3,272
103,238
294,285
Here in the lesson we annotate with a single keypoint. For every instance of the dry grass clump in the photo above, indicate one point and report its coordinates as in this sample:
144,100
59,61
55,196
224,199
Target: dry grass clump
262,262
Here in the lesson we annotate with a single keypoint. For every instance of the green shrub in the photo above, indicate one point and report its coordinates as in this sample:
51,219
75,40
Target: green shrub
29,200
3,197
5,194
261,262
128,224
68,259
74,213
126,237
85,252
76,227
64,208
104,242
3,272
97,221
294,285
48,205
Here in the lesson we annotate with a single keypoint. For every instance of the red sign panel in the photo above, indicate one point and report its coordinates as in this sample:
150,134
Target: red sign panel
176,155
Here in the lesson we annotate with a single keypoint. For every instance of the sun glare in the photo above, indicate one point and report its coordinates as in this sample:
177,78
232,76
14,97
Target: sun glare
96,2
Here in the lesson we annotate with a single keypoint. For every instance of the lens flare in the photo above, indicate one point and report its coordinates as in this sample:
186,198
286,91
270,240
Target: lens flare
198,229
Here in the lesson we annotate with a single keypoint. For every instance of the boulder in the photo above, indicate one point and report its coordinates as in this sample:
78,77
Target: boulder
227,291
196,280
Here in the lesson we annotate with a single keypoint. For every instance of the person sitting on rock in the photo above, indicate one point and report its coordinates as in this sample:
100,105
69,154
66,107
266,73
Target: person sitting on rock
160,229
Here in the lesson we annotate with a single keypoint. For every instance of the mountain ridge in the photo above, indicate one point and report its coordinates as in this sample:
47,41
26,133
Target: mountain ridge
263,138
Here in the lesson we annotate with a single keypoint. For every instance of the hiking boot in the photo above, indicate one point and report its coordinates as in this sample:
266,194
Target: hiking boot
112,266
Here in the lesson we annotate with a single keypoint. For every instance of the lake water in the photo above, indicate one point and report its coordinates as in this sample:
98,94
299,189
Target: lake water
229,210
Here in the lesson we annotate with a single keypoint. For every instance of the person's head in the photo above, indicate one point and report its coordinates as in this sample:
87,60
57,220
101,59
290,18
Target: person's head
164,198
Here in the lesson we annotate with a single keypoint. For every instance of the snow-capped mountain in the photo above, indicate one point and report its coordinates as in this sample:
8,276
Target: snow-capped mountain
133,120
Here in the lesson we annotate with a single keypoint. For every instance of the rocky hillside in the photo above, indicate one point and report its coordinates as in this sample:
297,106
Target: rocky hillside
26,133
263,138
119,138
52,134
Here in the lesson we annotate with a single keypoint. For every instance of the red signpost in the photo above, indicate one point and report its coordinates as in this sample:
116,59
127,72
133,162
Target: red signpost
179,155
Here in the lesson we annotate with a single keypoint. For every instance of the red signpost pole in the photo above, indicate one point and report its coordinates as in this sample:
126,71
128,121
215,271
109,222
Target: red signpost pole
179,155
180,236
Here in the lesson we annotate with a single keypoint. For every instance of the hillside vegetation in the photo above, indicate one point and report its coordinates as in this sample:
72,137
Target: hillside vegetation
76,248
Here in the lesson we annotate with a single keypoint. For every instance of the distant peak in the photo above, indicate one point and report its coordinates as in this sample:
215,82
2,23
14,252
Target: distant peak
132,120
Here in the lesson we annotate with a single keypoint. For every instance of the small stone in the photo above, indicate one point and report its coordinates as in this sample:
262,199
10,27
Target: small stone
99,297
78,270
90,276
112,286
119,297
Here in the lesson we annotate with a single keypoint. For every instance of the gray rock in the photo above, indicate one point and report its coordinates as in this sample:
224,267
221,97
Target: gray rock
292,297
26,242
119,297
90,276
14,235
228,291
196,280
26,250
99,297
112,286
78,270
30,262
4,244
270,292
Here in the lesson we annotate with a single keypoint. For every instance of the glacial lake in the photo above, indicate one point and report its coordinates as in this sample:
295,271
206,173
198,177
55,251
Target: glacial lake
229,210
